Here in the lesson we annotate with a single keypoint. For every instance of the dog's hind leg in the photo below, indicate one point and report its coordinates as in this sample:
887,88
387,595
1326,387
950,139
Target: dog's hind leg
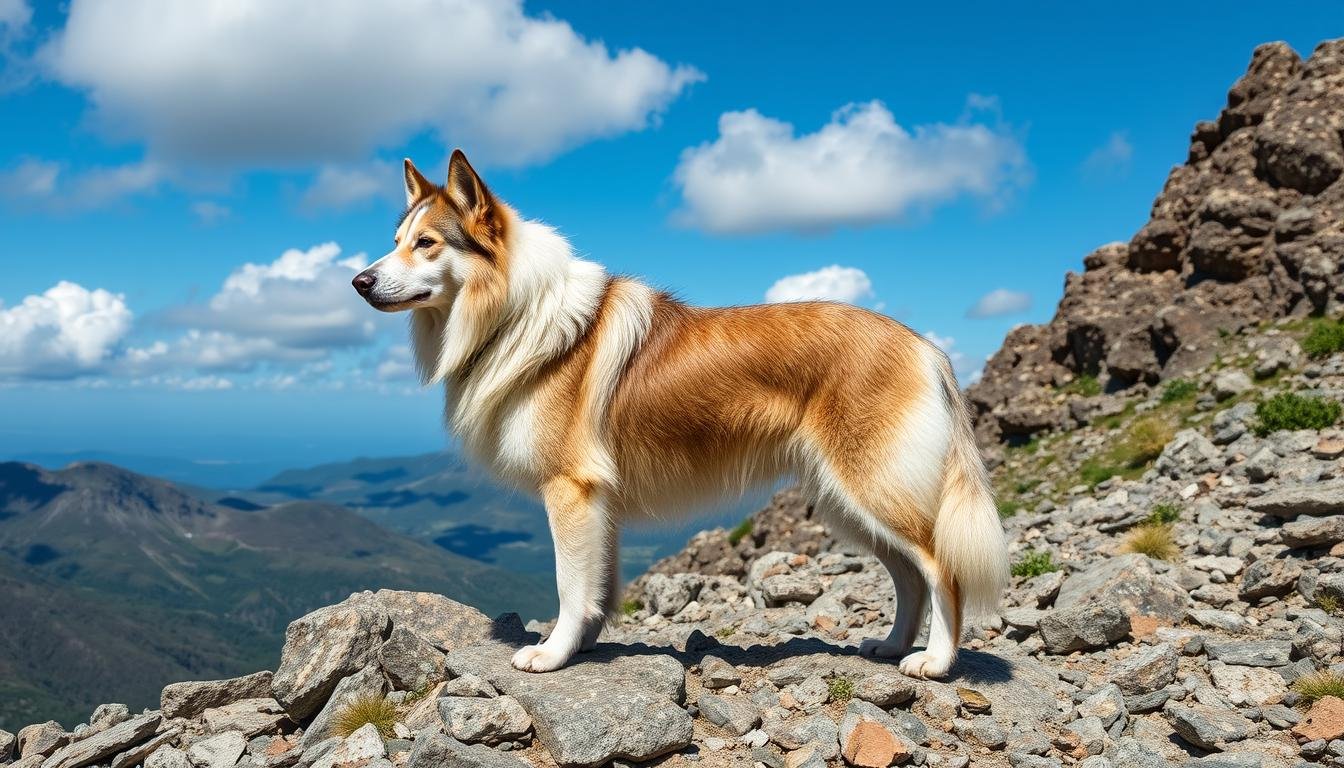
911,602
585,539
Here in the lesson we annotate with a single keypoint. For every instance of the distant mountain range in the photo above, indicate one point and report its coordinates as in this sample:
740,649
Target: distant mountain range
92,556
442,499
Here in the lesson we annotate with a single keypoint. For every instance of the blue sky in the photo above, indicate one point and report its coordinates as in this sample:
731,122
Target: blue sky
944,163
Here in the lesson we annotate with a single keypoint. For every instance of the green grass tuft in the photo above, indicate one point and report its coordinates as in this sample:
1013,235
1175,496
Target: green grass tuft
1326,337
364,710
1085,385
630,607
1178,390
725,632
742,530
1328,603
842,688
1155,541
1093,472
1145,441
1008,507
1034,563
1318,685
1163,514
1288,410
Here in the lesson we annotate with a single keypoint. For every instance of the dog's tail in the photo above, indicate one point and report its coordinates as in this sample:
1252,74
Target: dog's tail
968,539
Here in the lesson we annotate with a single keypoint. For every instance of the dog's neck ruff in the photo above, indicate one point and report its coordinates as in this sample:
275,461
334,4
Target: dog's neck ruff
550,301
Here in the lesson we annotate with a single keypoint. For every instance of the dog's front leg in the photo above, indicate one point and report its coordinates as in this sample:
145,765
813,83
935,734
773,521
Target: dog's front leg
584,547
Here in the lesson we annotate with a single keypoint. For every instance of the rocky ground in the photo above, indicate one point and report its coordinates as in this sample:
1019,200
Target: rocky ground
1177,534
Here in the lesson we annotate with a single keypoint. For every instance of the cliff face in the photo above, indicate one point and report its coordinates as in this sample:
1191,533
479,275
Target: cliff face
1249,229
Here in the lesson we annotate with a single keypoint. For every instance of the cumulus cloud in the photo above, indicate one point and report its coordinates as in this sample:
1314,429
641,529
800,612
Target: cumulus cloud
16,18
396,364
212,351
345,186
860,168
1000,302
35,183
280,84
833,283
209,212
301,301
65,332
1111,158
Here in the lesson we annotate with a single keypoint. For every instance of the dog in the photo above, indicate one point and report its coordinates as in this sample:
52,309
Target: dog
613,401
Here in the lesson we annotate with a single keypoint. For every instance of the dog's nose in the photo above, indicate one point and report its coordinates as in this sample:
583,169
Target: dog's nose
363,283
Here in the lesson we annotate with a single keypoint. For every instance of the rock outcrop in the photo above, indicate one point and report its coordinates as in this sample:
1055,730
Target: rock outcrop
1249,229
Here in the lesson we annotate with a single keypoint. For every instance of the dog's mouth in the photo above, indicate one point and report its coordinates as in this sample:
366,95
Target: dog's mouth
392,306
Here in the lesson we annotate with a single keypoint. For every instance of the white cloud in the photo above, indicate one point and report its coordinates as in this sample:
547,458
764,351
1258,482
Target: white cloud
209,212
35,183
860,168
833,283
212,351
16,18
1111,158
284,84
300,302
999,302
348,185
65,332
396,365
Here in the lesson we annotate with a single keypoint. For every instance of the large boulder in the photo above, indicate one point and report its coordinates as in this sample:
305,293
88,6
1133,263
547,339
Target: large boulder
326,646
1134,582
190,699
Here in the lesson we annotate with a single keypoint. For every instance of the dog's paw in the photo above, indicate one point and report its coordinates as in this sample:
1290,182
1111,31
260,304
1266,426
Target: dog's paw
538,658
925,665
881,649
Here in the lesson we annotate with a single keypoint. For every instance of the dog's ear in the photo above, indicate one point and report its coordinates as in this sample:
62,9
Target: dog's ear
465,188
416,184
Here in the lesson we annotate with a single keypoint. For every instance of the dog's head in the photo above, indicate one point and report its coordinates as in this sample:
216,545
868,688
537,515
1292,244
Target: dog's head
449,238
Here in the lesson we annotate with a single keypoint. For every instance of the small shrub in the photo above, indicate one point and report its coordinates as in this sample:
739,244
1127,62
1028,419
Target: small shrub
1155,541
1164,514
1008,507
842,688
1178,390
630,607
742,531
1034,563
1287,410
364,710
1318,685
1085,385
1146,439
724,633
1023,486
1093,472
1326,337
1328,603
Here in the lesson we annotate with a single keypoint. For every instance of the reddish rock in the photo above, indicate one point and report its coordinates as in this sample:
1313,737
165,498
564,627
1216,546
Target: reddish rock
1324,721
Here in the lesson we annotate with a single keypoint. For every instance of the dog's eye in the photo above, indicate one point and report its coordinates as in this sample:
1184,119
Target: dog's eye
424,242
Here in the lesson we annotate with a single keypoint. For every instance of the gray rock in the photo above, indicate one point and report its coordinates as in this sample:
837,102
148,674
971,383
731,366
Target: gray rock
167,757
486,721
785,588
1262,465
106,743
1146,670
1315,499
1243,686
321,749
249,717
608,704
1268,578
468,685
1230,383
443,623
981,731
733,715
1250,653
1083,626
41,739
107,715
190,699
883,690
138,754
1208,727
434,750
220,751
815,730
324,647
1129,752
1232,423
365,683
1131,580
411,664
715,673
8,742
1085,736
1313,532
360,749
667,594
1107,704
